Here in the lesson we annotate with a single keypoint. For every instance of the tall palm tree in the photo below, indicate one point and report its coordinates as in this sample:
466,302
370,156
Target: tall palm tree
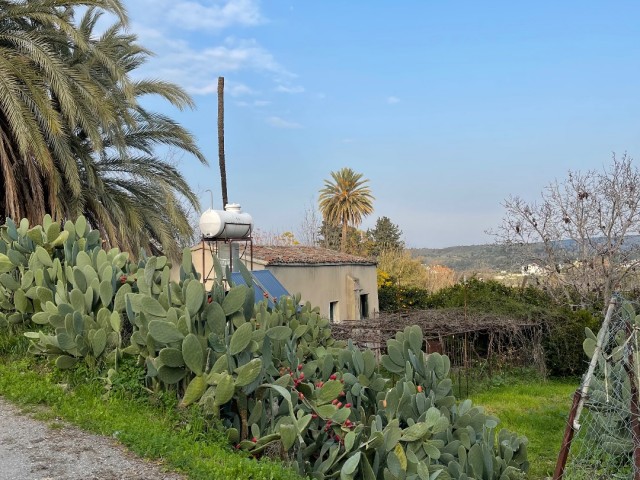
221,158
41,99
73,136
133,195
345,201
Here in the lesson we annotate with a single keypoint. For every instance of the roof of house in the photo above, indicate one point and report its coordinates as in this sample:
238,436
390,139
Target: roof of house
302,255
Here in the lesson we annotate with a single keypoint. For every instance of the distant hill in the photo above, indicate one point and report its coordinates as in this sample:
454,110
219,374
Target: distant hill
468,258
483,257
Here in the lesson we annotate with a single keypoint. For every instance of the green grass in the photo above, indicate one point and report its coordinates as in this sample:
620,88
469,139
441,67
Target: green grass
180,438
537,409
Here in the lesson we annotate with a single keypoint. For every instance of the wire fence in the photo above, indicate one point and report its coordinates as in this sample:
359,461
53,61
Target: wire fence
603,435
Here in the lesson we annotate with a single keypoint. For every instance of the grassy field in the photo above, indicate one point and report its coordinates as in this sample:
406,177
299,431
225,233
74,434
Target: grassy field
537,409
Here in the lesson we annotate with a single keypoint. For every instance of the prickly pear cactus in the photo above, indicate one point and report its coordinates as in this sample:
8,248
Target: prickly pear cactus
338,417
274,376
62,280
607,429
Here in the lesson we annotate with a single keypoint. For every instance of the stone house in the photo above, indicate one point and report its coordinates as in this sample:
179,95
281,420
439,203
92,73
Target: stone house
343,286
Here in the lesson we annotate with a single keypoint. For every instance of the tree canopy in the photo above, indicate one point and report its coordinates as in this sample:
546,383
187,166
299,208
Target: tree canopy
345,200
74,138
385,236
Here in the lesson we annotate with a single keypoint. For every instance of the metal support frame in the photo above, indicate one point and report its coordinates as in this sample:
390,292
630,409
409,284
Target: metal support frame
213,244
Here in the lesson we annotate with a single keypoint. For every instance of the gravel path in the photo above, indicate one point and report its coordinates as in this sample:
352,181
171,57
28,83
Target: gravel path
32,450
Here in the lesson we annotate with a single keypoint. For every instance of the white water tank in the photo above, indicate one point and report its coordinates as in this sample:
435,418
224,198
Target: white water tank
230,223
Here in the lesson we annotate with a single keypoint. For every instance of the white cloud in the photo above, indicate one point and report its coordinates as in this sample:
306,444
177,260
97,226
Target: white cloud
255,103
208,89
239,89
212,15
197,70
290,89
282,123
230,88
236,55
185,58
393,100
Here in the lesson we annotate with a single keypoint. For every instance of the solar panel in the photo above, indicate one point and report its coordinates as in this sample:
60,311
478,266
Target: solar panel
264,282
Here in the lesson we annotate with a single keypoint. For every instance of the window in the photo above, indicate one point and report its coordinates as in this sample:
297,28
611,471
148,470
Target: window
364,306
333,311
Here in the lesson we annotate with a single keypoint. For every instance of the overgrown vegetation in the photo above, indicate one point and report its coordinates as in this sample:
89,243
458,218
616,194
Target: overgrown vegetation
563,353
607,443
275,379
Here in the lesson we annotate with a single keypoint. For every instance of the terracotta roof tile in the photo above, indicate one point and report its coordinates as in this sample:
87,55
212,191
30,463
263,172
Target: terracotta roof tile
277,255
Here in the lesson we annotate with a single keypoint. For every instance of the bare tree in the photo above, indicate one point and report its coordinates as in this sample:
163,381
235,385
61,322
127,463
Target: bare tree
580,236
273,238
439,277
309,228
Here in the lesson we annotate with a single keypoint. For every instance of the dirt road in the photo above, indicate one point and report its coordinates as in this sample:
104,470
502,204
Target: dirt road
32,450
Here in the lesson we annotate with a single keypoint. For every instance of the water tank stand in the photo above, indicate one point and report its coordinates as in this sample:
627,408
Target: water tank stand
213,245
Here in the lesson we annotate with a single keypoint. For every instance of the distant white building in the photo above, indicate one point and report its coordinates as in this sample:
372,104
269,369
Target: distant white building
533,269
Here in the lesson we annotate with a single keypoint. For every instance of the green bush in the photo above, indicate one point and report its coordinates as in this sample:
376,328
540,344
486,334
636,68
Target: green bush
562,344
393,298
492,296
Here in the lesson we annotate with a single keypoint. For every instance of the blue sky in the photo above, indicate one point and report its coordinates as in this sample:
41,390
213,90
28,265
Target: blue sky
447,107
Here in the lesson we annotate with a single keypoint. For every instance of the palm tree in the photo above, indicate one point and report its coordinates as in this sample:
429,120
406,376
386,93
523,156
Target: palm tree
135,197
221,159
345,201
41,98
74,138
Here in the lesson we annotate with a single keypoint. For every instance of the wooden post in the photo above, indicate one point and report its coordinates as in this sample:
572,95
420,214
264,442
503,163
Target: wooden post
633,406
568,437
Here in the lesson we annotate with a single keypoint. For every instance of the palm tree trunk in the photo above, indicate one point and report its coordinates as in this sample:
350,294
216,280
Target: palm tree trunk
343,243
221,160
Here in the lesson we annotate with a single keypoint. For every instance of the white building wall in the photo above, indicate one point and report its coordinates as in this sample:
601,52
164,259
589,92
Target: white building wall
323,284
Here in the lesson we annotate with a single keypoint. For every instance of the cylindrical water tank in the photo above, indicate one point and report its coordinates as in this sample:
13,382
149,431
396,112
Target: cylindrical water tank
231,223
